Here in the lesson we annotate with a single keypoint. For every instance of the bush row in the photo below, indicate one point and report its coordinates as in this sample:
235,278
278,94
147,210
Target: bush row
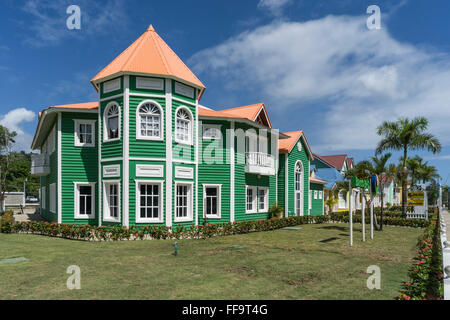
425,276
114,233
387,220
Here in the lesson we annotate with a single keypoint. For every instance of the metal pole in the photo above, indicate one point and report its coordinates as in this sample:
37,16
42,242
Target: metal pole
363,217
371,213
350,211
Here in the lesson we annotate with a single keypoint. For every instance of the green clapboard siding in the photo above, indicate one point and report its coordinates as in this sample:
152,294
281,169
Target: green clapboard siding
78,164
294,156
51,178
214,168
316,204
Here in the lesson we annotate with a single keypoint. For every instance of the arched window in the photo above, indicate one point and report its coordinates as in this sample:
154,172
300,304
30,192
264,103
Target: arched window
149,121
112,114
298,189
183,130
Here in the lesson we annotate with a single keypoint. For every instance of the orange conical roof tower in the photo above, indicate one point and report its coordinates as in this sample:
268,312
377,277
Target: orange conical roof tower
149,55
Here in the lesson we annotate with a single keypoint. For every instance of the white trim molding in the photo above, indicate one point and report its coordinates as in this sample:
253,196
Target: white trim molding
139,136
112,85
219,200
190,201
106,209
76,199
111,171
137,215
184,172
58,196
149,171
254,200
169,182
184,90
149,83
190,142
105,126
77,132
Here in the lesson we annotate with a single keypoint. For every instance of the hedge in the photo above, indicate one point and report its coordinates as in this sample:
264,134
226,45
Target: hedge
115,233
425,276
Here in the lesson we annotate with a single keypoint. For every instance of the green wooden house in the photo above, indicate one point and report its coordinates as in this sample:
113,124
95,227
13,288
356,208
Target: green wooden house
147,152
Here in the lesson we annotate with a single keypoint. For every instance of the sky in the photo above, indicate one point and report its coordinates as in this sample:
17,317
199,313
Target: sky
314,63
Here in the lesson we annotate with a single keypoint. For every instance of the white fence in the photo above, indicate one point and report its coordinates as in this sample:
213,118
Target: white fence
445,256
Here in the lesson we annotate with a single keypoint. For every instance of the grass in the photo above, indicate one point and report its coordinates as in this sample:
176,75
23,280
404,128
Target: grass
315,262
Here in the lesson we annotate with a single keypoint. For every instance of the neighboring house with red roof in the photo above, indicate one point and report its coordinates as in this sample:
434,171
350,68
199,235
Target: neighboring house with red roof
148,153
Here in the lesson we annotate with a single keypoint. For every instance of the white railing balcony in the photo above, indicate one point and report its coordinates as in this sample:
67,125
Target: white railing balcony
260,163
40,165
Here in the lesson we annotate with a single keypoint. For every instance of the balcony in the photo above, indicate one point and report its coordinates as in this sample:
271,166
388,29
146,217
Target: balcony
260,163
40,165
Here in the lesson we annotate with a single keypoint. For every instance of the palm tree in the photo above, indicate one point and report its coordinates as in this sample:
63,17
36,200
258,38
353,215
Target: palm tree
414,165
384,174
427,173
405,135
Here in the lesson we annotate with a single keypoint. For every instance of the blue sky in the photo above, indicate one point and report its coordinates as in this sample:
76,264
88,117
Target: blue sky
314,63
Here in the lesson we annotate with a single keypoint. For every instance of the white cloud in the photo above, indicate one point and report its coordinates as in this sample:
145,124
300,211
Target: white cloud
275,7
14,120
47,23
353,77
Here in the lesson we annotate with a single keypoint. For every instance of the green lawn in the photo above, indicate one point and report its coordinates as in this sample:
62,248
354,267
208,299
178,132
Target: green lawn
315,262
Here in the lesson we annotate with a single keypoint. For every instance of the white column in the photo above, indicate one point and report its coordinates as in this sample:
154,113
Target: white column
59,186
371,213
169,182
350,212
126,154
363,217
197,161
286,183
232,167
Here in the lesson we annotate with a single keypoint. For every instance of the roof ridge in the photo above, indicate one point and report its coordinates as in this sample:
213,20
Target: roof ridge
163,58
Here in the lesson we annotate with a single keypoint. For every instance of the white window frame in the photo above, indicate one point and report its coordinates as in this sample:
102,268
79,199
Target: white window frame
320,195
266,200
106,212
315,194
219,201
105,122
190,127
205,128
299,211
190,212
53,197
77,214
254,201
79,122
139,136
43,197
138,218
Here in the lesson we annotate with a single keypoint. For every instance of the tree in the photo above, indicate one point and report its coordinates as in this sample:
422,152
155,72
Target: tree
6,143
384,174
405,135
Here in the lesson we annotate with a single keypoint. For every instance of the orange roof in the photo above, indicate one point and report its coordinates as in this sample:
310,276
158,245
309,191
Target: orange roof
317,180
86,105
149,54
249,112
286,145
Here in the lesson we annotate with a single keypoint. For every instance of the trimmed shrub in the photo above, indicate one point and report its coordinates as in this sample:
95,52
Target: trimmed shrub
7,222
